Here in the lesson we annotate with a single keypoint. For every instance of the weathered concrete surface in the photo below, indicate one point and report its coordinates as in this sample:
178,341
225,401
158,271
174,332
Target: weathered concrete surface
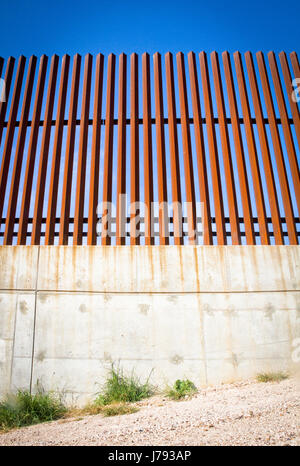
209,313
139,269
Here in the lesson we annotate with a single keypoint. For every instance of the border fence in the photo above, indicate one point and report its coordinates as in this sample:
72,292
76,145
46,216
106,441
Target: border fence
195,151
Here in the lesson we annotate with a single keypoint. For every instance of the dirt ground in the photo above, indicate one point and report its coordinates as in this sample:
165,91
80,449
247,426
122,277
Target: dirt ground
244,413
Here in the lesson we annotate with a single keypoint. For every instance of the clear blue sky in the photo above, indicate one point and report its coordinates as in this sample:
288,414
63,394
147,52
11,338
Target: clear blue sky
69,26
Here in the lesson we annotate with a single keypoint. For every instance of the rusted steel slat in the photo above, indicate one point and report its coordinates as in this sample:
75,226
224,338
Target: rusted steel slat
213,150
148,161
200,149
148,156
10,131
281,169
82,153
286,127
265,151
15,180
231,193
95,156
69,156
56,156
239,151
174,154
161,153
41,180
134,153
290,89
295,64
257,184
121,169
28,179
3,105
108,149
187,150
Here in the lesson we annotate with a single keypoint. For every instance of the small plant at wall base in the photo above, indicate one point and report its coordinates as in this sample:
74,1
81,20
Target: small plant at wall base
25,409
121,388
271,376
181,389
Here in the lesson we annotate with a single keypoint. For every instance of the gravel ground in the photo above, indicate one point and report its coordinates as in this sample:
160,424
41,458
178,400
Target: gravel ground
244,413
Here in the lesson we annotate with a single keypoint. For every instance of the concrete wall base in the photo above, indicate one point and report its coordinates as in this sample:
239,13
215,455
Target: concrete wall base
208,313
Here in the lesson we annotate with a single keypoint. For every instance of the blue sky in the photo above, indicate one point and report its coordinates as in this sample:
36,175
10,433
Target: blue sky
69,26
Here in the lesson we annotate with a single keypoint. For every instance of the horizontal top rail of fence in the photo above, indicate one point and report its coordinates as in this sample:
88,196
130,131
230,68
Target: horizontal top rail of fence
145,150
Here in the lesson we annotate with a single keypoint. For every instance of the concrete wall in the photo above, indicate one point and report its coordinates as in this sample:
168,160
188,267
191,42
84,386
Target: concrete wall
208,313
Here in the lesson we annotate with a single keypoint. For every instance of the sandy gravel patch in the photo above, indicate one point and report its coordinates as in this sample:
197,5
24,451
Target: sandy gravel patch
245,413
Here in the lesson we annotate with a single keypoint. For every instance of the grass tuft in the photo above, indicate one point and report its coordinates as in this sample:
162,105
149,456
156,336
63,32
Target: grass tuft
123,389
114,409
181,389
24,409
118,409
271,376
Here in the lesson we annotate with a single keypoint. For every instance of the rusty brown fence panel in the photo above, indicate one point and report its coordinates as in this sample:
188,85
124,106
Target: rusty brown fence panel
108,148
27,187
82,154
148,155
94,173
56,155
15,180
69,154
161,153
217,141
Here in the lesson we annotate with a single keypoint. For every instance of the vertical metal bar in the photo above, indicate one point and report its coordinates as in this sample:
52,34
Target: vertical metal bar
108,150
69,156
23,222
40,186
121,171
213,150
41,180
286,127
200,149
290,89
95,156
174,153
52,199
231,193
82,153
295,64
10,131
239,151
161,153
257,184
148,161
281,169
187,150
265,151
7,78
15,180
134,155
